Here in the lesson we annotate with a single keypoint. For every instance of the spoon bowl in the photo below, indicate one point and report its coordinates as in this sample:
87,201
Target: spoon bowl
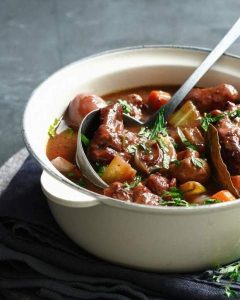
87,127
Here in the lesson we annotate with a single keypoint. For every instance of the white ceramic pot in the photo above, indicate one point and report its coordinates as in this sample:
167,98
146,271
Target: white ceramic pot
172,239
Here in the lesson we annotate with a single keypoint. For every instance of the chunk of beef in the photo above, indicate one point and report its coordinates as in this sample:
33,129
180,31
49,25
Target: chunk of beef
211,98
118,191
136,112
129,138
189,169
111,138
229,136
187,153
135,100
111,116
230,106
134,105
158,183
142,195
107,139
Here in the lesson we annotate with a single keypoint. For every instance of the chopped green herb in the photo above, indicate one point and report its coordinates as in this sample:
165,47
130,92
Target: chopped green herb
144,132
228,273
85,140
100,168
209,119
173,193
185,141
174,202
229,292
173,197
53,127
197,162
131,149
159,126
70,174
162,143
177,162
134,183
166,157
125,106
211,201
234,114
166,161
145,148
81,183
175,145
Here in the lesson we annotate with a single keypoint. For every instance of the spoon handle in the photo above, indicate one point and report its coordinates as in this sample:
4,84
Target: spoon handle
227,40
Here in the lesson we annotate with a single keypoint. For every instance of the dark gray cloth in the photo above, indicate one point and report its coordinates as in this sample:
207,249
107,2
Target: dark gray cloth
37,260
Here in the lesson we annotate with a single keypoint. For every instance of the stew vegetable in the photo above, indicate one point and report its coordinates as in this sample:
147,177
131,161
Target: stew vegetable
193,158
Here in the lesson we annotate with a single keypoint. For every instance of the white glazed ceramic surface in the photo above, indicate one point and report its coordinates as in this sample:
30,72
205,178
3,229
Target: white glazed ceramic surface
155,238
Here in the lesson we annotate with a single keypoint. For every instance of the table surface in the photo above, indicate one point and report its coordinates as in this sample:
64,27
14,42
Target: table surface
39,37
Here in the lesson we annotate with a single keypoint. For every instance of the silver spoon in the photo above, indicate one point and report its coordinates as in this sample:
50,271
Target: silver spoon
90,124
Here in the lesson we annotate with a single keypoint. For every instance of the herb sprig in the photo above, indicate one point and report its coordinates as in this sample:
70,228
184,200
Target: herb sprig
173,197
134,183
159,126
175,202
177,162
144,132
166,157
125,106
101,170
53,127
210,119
230,273
211,201
132,149
197,162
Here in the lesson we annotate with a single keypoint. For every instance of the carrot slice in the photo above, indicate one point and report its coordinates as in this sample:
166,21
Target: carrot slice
157,99
223,196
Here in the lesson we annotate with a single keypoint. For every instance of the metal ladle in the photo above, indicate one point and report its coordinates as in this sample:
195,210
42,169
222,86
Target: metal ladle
90,122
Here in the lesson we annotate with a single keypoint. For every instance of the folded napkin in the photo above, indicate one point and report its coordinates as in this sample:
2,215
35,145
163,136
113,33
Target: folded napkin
38,261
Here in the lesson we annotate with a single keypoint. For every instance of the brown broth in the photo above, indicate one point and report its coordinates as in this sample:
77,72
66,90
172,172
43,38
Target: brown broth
63,145
143,91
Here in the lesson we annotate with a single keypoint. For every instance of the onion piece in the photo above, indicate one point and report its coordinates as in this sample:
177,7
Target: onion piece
80,106
150,161
62,165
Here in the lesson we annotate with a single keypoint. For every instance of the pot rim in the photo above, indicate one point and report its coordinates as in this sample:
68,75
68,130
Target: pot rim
108,200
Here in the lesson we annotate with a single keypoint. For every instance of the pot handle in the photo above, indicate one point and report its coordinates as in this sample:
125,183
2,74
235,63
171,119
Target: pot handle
60,193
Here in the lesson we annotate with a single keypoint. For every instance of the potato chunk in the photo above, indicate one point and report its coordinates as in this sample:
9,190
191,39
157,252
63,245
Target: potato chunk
118,170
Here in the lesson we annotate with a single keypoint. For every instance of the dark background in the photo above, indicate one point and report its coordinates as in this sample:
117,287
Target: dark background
37,37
